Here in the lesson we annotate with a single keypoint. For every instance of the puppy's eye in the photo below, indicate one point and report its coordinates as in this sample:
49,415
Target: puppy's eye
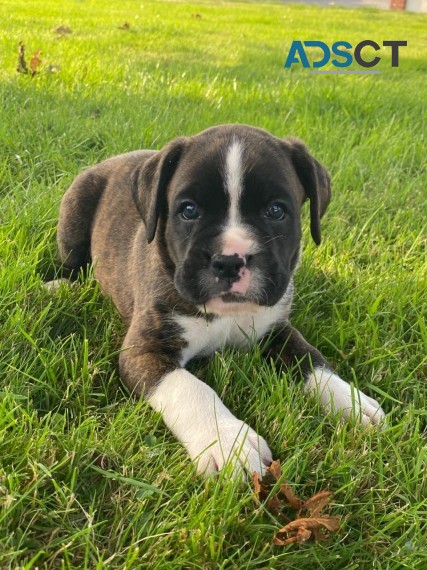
189,211
275,212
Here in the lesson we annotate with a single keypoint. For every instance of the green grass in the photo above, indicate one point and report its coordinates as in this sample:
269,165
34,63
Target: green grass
91,479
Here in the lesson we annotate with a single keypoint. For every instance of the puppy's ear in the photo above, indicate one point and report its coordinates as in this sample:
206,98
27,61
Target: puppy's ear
315,180
150,183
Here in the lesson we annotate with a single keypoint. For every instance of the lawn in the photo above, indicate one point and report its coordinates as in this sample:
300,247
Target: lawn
90,478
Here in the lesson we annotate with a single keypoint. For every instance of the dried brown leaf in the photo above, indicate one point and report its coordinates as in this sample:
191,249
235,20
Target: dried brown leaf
275,469
305,527
294,501
290,540
317,503
257,483
260,489
35,62
280,542
301,529
298,534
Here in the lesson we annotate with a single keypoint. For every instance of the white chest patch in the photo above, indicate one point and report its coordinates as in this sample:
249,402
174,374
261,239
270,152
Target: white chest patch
243,330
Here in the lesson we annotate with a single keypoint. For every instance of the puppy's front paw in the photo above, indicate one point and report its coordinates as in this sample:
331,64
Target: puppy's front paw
211,434
229,441
337,395
53,286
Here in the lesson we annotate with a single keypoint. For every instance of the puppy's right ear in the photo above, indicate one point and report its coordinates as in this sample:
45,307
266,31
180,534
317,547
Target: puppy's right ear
150,182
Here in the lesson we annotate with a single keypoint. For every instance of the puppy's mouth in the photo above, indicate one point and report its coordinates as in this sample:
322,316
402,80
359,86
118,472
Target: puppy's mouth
243,292
230,304
233,298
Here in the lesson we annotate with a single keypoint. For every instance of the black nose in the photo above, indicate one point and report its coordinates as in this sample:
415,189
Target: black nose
227,266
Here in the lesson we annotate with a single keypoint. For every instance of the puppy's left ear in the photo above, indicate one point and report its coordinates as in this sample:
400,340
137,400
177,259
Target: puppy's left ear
150,182
315,180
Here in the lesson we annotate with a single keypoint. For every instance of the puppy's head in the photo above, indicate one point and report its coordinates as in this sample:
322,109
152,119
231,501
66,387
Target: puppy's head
226,204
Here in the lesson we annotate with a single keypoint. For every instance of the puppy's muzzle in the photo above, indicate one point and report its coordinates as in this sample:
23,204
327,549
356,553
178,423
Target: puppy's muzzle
228,267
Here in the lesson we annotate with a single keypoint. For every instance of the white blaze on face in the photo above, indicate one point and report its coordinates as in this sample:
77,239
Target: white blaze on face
236,239
234,180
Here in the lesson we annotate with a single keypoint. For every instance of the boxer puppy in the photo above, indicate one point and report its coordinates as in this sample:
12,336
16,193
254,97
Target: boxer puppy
197,245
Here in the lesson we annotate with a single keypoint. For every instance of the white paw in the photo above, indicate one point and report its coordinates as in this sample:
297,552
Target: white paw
336,395
229,441
53,286
206,427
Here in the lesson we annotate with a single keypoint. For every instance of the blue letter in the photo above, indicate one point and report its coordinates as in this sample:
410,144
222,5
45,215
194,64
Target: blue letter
326,52
296,47
341,53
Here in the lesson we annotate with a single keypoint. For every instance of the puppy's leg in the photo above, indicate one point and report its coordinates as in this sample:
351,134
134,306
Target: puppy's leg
206,427
291,348
76,214
194,413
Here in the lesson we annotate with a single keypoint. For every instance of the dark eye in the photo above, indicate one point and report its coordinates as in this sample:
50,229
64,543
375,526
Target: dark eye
189,211
275,212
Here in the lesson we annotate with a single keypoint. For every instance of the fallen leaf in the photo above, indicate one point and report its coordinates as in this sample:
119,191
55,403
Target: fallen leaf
275,469
257,483
262,490
301,529
313,523
317,503
301,535
35,62
309,522
294,502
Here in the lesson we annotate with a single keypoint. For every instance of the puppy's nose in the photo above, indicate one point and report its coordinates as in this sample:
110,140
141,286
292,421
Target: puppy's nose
227,266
